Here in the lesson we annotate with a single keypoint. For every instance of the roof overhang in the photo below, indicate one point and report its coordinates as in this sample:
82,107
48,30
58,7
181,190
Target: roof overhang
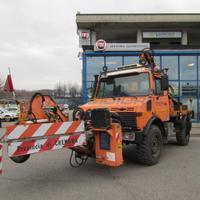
91,21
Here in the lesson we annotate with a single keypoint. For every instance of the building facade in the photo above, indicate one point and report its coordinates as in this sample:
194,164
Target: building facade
117,39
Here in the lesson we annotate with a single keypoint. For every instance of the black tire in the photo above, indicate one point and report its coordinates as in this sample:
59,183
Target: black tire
20,159
148,150
182,127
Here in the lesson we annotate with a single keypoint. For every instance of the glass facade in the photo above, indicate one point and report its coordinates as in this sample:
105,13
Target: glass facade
94,66
171,62
130,60
188,68
113,61
183,70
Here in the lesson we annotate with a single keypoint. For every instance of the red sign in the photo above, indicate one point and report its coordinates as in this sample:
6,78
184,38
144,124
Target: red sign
84,35
101,45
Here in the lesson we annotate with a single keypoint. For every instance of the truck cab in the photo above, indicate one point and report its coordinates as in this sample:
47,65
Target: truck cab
133,94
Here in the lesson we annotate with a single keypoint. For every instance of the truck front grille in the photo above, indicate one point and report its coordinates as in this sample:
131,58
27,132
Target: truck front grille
128,119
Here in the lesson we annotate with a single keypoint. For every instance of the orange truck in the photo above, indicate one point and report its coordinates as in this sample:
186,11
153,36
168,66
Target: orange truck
140,99
132,104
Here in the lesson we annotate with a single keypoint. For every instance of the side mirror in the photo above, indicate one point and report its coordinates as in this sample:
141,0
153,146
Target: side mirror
164,82
94,86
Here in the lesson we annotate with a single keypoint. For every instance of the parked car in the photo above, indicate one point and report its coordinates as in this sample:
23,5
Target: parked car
8,114
63,106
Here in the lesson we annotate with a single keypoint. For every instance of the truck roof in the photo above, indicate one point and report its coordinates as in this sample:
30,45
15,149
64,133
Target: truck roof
127,69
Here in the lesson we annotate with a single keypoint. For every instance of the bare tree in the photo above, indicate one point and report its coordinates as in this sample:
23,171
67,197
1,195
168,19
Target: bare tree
79,89
73,91
64,89
1,84
58,90
69,89
3,94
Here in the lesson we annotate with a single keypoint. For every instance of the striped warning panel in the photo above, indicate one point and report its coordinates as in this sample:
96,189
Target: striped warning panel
41,145
45,129
1,157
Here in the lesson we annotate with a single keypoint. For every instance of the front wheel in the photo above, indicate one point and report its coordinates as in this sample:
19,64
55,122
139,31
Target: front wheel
148,150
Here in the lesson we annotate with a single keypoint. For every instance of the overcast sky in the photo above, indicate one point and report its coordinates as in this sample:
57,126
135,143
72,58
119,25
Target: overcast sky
38,39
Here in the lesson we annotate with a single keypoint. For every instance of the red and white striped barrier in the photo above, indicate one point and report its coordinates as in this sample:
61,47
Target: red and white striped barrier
35,138
1,157
41,145
17,132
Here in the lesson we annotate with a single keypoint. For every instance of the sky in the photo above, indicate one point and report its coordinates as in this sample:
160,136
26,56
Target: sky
39,41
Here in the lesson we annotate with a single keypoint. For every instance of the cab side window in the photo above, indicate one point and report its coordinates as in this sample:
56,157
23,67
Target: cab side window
158,90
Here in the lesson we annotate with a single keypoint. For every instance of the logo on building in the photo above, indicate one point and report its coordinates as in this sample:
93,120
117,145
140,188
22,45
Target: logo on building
101,45
84,34
84,37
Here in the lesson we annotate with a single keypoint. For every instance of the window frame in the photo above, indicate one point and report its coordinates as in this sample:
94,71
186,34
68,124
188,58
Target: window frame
160,90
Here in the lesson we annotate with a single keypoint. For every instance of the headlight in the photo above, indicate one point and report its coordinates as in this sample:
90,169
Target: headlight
78,114
88,115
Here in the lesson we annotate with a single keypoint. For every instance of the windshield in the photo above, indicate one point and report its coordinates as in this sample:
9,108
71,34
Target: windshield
127,85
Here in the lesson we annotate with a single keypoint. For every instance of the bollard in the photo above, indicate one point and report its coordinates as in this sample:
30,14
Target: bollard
1,156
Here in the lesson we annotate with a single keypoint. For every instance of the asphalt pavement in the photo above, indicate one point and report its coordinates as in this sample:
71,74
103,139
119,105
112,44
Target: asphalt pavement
48,176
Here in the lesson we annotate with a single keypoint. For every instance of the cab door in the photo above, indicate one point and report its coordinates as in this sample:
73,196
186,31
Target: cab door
161,101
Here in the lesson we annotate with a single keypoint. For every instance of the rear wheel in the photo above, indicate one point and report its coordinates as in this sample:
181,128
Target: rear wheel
182,127
148,150
20,159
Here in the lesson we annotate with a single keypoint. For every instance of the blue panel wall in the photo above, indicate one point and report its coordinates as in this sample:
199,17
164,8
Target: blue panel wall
183,72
